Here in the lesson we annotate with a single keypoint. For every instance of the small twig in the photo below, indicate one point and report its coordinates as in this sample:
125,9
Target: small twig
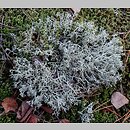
2,66
127,56
108,108
19,99
7,56
122,117
91,94
113,112
40,115
69,10
1,47
102,108
24,12
127,51
26,115
1,29
2,24
3,113
101,105
121,89
126,117
16,93
126,34
121,33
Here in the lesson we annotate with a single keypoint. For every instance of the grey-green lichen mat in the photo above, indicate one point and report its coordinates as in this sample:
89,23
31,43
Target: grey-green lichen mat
62,59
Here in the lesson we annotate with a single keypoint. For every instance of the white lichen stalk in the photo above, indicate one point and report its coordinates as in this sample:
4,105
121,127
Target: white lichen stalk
83,58
86,114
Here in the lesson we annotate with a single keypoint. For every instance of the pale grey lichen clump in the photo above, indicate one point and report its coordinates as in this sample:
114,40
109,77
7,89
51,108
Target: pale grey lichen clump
86,114
71,58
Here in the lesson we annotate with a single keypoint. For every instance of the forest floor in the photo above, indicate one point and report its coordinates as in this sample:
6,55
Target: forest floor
16,21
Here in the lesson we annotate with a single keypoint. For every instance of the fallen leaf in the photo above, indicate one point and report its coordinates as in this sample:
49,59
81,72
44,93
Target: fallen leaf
24,111
127,34
118,100
128,52
72,11
32,119
76,10
9,104
64,121
25,117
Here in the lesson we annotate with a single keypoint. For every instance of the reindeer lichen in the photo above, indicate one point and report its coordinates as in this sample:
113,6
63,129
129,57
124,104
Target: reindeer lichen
64,60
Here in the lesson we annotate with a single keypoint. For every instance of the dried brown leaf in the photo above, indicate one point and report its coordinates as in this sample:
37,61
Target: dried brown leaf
76,10
32,119
64,121
118,100
24,112
9,104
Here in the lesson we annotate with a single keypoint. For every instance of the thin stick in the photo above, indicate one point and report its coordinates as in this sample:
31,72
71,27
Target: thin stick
26,14
1,70
126,50
1,28
122,117
102,108
121,88
127,57
2,24
126,117
114,112
126,34
7,56
3,113
101,105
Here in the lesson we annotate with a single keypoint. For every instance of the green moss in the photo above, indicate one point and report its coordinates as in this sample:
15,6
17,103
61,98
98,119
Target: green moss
106,93
108,19
7,119
5,90
104,117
